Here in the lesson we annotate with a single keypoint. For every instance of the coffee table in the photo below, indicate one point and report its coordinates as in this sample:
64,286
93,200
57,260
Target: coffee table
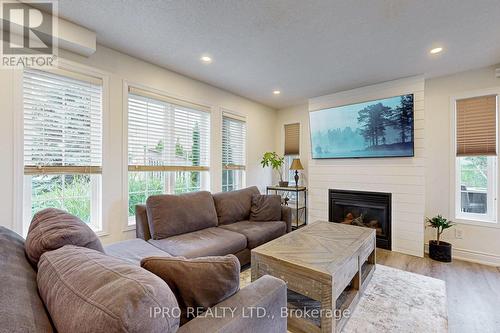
326,267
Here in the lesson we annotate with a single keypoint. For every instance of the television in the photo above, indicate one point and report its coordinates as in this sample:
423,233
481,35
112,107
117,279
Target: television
378,128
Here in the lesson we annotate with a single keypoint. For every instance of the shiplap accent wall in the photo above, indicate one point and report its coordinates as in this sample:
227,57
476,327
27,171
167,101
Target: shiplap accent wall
403,177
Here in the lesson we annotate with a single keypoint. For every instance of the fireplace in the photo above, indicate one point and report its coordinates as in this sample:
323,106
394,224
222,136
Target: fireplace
364,209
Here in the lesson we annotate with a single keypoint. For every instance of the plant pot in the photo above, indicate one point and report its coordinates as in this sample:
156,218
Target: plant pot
283,184
441,252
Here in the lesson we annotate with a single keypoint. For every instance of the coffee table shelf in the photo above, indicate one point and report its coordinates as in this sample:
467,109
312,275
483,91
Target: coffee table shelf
326,266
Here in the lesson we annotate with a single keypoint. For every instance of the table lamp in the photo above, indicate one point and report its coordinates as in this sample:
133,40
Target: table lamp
296,165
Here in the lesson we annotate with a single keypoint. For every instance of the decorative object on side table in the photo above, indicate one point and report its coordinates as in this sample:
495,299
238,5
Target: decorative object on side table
439,250
296,204
276,163
296,165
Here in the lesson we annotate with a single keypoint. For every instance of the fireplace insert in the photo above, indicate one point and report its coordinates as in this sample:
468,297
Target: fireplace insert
363,209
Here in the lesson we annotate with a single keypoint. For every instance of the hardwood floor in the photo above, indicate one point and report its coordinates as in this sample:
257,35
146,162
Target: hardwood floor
473,290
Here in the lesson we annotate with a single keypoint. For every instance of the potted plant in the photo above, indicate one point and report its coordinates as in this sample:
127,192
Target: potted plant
276,163
439,250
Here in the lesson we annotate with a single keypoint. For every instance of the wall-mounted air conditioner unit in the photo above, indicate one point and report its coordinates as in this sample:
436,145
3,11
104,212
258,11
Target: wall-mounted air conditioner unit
498,73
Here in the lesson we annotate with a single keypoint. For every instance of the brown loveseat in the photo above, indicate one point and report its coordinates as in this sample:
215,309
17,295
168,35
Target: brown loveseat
201,224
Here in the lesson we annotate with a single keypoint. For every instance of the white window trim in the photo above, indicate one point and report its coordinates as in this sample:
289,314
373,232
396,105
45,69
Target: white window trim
18,213
129,223
470,219
18,149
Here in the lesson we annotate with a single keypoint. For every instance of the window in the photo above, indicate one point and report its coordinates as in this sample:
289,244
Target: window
233,152
476,158
292,150
168,147
476,177
289,175
62,144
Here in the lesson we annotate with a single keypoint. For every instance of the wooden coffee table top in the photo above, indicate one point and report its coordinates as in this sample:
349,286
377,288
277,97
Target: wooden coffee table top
320,247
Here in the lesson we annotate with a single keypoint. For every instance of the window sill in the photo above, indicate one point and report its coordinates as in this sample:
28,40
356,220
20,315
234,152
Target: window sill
129,227
476,222
101,233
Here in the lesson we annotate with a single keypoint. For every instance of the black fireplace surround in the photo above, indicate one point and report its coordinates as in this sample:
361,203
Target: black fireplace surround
365,209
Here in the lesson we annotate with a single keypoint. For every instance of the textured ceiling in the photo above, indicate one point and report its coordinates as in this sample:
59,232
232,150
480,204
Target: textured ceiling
304,48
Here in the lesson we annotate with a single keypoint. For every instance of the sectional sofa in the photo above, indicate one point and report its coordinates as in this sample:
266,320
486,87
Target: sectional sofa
201,224
86,288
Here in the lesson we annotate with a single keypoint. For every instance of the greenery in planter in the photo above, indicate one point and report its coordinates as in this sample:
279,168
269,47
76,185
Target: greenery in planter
274,161
440,223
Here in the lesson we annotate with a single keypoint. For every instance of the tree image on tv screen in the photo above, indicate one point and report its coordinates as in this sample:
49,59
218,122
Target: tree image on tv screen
370,129
373,120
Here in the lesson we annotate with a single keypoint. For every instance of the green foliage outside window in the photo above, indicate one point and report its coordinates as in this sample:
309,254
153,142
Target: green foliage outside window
67,192
141,185
144,184
474,172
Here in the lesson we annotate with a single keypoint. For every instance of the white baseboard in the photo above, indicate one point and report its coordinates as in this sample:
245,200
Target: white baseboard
408,251
473,256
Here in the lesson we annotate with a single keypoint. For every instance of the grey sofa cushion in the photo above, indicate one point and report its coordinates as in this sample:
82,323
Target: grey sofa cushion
170,215
267,293
258,233
133,250
88,291
265,208
286,216
141,223
198,283
53,228
234,206
202,243
21,309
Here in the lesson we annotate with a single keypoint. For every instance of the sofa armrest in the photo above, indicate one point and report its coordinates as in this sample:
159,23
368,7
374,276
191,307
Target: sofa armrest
286,216
141,223
239,312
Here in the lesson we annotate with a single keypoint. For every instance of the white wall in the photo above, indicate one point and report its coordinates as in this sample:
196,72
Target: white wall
119,67
479,243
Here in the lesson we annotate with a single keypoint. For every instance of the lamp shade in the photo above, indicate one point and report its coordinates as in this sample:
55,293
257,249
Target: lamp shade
296,165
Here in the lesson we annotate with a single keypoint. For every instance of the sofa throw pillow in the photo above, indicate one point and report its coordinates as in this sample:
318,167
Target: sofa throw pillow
234,206
198,283
265,208
170,215
53,228
87,291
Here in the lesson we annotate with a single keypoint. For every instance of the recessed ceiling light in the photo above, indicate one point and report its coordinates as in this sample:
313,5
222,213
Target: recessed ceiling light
276,92
436,50
206,59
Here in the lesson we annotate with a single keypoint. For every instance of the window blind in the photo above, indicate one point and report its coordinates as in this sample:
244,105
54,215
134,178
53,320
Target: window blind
163,136
477,126
233,143
62,123
292,139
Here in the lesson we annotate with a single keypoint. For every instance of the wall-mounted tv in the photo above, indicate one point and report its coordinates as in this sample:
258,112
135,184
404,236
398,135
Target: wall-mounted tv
379,128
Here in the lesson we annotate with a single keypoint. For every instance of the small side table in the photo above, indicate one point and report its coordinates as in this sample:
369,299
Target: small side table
298,209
